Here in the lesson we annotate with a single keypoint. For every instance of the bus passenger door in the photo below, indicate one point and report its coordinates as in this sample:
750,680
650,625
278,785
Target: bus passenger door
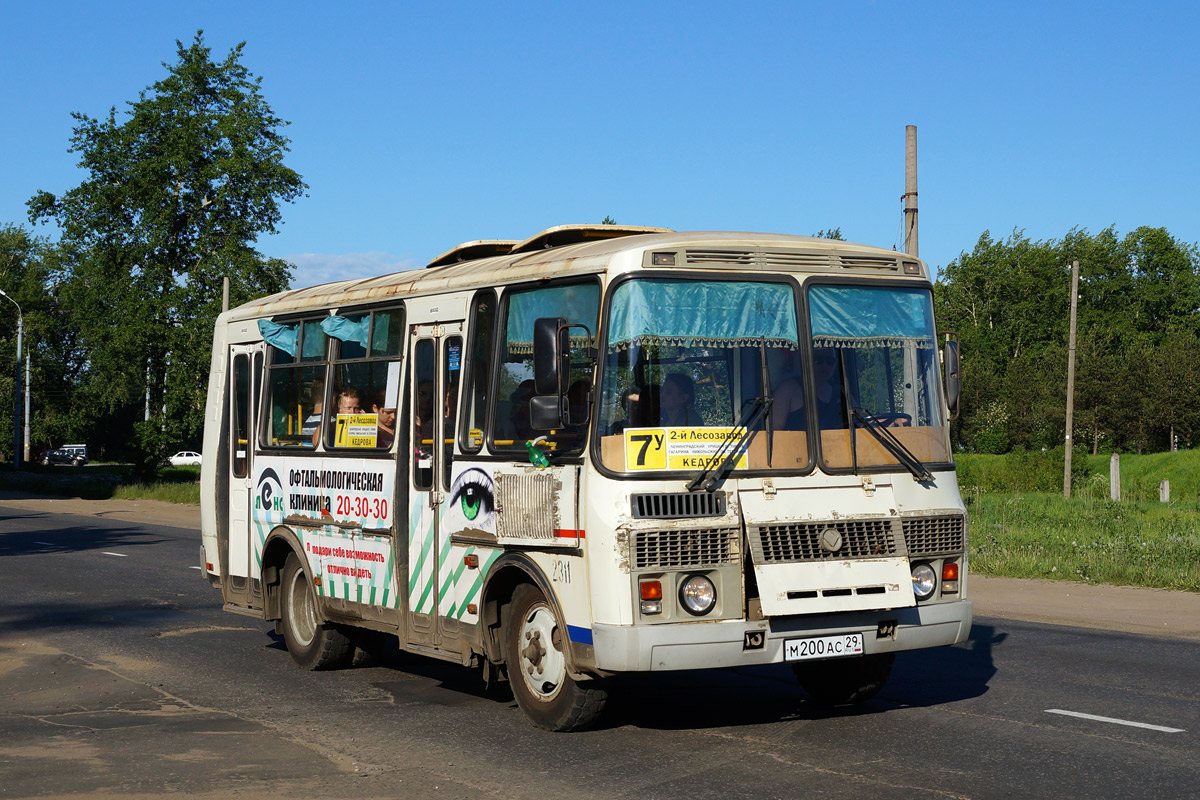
242,571
436,365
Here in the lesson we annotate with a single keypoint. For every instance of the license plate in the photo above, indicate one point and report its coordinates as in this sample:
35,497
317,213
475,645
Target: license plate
846,644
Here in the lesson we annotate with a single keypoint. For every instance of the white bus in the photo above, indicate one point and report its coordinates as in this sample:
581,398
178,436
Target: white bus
602,450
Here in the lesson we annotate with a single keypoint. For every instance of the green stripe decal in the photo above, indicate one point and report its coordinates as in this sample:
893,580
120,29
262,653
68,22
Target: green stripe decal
426,546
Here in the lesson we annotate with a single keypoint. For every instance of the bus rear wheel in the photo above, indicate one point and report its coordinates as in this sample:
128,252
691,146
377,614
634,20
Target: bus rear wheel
535,644
312,643
844,681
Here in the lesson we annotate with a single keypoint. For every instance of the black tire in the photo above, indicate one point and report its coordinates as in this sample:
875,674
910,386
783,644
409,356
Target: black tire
844,681
313,643
534,642
373,648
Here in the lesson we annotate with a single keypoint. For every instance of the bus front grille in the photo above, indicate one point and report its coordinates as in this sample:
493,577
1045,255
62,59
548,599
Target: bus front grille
678,505
861,538
933,536
676,549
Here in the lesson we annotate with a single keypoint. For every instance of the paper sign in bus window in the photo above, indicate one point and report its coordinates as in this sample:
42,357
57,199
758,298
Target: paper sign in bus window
678,448
356,430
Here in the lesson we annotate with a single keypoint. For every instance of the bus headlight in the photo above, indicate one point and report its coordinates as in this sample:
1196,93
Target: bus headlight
924,581
697,595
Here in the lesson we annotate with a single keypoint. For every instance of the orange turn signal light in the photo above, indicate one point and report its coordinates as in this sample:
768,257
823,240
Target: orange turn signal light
471,561
651,590
950,571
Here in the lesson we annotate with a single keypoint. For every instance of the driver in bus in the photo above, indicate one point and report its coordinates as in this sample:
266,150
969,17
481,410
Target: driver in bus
787,412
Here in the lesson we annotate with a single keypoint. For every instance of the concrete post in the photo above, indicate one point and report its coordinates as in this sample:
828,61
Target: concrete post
1114,477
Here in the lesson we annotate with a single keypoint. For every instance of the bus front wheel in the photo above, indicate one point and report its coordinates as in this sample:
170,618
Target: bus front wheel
844,681
313,643
535,644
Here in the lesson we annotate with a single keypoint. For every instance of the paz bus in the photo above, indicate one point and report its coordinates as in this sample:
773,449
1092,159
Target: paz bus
601,450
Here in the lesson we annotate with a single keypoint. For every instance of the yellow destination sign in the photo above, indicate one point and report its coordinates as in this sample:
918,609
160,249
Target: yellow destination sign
356,430
676,448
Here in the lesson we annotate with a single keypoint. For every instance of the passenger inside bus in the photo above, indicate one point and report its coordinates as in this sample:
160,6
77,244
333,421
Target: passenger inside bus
424,415
385,423
518,414
675,402
312,423
348,401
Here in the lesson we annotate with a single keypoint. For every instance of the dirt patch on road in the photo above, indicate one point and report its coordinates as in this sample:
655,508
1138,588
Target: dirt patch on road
150,512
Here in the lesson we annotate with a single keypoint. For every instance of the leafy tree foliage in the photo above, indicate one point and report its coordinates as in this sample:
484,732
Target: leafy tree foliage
178,190
1138,340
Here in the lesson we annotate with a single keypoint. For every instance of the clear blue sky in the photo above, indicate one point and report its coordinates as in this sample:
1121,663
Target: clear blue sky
419,126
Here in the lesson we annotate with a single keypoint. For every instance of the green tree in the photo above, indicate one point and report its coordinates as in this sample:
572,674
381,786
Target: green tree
830,233
176,195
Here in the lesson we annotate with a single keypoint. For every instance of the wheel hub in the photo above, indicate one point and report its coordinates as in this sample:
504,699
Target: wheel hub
542,662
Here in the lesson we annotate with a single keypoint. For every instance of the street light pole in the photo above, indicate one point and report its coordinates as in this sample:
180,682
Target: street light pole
17,386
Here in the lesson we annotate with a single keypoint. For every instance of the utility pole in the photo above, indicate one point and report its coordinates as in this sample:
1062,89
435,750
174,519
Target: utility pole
17,384
910,190
27,386
1070,442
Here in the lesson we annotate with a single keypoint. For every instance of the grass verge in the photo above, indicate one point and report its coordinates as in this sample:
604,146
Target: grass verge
104,481
1042,535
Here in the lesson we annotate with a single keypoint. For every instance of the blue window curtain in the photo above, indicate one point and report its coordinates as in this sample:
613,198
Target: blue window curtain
348,329
702,314
282,337
579,304
870,316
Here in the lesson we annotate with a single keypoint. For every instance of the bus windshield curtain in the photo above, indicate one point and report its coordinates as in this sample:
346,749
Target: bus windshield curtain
347,330
282,337
870,316
702,314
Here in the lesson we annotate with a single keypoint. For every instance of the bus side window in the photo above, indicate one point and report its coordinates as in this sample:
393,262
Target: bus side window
366,370
579,304
478,368
452,370
295,382
423,404
241,414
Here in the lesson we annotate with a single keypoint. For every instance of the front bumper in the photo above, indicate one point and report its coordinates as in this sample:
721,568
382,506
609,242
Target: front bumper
700,645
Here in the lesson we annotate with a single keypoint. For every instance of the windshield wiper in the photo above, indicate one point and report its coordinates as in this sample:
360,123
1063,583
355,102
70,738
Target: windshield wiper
893,445
726,456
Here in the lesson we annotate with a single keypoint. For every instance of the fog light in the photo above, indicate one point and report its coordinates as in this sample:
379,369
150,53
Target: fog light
924,581
697,595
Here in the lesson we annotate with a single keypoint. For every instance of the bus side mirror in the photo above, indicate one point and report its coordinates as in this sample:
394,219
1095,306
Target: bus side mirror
545,412
549,353
950,363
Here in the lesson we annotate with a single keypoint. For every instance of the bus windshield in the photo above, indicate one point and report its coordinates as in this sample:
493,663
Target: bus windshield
683,360
875,364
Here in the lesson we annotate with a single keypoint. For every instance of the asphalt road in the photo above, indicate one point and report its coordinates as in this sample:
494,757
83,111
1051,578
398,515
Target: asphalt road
121,676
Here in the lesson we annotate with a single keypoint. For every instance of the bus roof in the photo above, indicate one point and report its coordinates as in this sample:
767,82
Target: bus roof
587,249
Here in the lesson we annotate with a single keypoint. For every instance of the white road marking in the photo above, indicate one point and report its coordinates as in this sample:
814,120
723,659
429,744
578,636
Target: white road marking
195,567
118,555
1115,721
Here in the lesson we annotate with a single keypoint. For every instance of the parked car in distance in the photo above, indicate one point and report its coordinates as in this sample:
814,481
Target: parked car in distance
63,457
185,458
